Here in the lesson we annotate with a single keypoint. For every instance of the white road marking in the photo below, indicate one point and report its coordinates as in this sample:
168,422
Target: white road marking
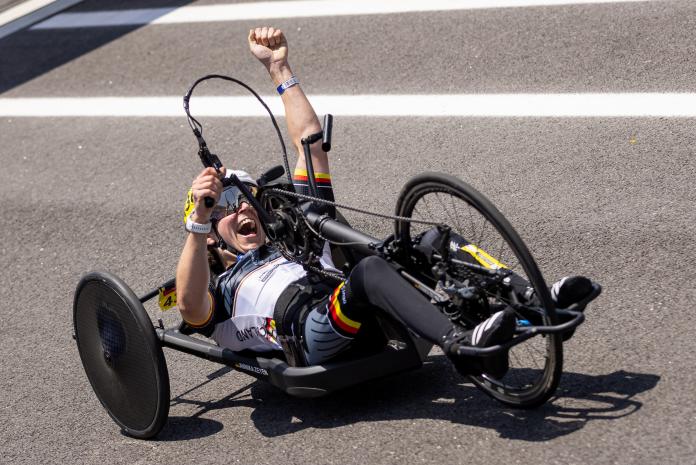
681,105
290,9
32,11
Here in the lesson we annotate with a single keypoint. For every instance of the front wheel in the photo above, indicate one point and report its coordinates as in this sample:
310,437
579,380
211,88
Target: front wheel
479,232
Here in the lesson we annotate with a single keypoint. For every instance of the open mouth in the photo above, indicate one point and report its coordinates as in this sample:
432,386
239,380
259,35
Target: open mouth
247,227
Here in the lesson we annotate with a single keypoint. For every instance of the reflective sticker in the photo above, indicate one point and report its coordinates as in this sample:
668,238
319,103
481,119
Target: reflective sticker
189,205
167,298
482,257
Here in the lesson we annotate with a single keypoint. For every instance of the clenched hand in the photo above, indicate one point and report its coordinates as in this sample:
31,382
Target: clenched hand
269,46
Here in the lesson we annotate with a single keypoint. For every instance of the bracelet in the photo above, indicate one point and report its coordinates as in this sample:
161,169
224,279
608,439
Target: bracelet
293,81
198,228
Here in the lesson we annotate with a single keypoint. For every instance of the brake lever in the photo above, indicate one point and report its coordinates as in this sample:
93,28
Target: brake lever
326,133
209,160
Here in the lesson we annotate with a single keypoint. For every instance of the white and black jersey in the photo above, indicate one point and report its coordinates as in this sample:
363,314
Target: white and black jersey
245,297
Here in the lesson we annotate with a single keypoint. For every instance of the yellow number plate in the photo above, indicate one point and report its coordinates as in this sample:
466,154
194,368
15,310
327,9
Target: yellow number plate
167,298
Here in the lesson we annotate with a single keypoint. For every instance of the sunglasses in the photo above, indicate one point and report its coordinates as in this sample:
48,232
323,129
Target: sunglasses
230,201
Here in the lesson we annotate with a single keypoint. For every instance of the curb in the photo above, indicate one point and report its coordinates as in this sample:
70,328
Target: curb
32,11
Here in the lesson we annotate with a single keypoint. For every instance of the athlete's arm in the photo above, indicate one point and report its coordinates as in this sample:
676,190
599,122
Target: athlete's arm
193,272
270,47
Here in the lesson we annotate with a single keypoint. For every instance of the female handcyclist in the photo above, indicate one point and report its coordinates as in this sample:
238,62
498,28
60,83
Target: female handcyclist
241,308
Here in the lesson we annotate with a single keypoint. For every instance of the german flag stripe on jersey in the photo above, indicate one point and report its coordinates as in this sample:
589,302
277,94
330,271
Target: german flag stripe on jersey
339,319
321,178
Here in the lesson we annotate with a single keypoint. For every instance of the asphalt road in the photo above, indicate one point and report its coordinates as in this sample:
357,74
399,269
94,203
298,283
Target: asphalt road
612,198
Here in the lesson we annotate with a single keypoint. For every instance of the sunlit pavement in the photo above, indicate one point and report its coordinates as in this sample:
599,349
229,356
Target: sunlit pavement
608,195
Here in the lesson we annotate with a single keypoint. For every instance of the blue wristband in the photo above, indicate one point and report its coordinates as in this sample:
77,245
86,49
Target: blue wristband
287,84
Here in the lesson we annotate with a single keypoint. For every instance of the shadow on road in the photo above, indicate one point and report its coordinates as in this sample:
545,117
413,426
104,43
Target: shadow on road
433,392
28,53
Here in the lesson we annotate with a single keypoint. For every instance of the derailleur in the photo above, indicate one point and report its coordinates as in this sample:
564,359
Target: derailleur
466,304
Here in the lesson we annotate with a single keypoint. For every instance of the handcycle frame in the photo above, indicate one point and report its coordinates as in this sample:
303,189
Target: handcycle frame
404,349
112,362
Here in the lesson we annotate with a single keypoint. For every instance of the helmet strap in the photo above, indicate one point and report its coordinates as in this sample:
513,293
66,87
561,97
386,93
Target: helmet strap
221,242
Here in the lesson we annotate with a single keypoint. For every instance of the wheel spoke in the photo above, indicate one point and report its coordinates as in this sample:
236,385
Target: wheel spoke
533,375
456,212
447,212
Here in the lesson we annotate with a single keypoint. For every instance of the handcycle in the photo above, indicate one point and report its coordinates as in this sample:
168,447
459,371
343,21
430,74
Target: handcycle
448,241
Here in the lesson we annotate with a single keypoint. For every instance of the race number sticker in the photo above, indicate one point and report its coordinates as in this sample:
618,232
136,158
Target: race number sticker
188,206
167,298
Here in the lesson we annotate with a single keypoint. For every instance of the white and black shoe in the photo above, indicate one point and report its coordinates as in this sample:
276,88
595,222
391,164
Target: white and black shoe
569,290
499,328
564,293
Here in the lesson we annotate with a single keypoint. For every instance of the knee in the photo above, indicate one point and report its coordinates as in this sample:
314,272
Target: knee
373,264
371,271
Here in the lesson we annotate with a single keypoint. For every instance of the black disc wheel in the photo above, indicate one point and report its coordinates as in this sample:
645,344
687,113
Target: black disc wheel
120,354
488,241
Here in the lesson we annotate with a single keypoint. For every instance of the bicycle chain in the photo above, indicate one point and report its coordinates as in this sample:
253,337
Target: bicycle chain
355,209
339,276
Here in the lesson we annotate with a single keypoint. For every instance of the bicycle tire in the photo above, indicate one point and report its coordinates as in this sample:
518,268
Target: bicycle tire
521,387
121,355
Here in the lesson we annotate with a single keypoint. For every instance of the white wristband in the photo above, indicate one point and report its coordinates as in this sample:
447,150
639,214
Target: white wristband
198,228
287,84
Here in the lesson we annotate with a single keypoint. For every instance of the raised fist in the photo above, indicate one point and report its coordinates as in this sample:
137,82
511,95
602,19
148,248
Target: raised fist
268,45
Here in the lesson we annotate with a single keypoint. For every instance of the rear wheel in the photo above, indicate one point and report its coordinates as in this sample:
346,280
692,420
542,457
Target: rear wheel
489,241
120,354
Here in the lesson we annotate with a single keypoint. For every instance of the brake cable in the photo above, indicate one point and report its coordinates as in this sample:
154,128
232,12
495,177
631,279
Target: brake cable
355,209
197,127
212,160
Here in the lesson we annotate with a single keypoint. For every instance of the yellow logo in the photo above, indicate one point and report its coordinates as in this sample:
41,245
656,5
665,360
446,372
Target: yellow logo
483,257
189,205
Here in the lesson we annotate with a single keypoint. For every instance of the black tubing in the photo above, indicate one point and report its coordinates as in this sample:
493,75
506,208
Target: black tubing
342,234
326,139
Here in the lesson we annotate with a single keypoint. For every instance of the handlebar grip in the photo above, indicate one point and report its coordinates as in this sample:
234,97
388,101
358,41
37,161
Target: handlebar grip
270,175
209,201
326,139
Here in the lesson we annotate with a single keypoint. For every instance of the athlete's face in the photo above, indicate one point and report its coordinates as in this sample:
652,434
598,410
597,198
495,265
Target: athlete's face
242,229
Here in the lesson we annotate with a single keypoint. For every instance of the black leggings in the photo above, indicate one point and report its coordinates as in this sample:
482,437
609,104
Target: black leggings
330,327
374,283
